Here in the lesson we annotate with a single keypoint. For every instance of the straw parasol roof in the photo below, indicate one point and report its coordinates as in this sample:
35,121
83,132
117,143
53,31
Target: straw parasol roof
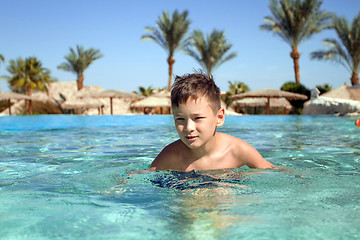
153,101
270,93
162,93
261,102
344,92
12,95
115,94
75,103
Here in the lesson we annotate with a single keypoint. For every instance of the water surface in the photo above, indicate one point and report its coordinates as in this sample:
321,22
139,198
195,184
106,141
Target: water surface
72,177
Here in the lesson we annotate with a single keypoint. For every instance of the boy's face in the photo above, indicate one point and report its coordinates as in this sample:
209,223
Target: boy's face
196,122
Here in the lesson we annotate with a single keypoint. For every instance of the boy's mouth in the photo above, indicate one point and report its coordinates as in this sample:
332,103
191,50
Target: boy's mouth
191,138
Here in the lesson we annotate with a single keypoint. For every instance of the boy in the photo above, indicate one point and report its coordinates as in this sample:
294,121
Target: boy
197,112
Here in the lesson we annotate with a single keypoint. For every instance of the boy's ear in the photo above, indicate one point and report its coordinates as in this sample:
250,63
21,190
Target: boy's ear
220,117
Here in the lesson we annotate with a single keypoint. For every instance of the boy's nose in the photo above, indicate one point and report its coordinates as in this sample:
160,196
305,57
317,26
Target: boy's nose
190,125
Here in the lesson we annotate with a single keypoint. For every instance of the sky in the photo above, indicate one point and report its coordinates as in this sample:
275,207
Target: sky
47,29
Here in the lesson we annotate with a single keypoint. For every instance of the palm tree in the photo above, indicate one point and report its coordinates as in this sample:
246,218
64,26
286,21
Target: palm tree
26,75
146,91
296,21
170,33
78,62
234,88
237,87
209,52
347,50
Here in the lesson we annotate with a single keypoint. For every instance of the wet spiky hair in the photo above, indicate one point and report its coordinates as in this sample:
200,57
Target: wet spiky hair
194,86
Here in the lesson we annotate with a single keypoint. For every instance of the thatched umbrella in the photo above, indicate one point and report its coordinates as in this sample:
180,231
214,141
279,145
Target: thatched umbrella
162,93
344,92
153,101
76,103
270,93
115,94
262,102
12,95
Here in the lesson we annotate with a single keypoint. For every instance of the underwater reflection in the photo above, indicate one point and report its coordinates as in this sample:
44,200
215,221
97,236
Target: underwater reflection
202,207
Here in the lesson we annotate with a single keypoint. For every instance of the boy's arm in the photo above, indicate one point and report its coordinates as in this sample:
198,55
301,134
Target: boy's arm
252,158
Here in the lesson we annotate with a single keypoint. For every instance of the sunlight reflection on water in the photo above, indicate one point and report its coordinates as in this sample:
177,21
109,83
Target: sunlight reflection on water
73,177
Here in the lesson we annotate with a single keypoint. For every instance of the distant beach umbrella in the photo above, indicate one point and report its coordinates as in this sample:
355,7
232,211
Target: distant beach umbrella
271,93
115,94
344,92
261,102
12,95
153,101
76,103
163,93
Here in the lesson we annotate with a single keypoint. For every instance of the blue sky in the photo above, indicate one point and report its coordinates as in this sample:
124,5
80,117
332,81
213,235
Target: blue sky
46,29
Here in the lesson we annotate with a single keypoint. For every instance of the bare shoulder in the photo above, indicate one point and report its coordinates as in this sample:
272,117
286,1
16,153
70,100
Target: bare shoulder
245,153
237,145
169,157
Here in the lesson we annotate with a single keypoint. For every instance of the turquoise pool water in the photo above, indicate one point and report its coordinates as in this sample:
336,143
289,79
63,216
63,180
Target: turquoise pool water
72,177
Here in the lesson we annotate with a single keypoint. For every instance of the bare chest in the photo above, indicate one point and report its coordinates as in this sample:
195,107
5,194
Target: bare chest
221,160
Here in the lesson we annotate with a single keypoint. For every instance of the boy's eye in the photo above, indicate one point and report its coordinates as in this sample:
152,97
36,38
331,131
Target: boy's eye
179,119
197,118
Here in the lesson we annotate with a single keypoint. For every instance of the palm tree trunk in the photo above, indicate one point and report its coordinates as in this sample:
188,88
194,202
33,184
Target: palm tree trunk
80,82
171,62
354,78
28,102
295,55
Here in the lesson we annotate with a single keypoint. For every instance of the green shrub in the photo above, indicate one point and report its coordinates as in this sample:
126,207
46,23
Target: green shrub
324,88
296,88
234,88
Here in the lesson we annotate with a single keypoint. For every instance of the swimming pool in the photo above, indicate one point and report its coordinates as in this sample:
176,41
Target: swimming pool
72,177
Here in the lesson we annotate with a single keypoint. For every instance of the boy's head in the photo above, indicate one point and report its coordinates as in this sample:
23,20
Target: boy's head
195,86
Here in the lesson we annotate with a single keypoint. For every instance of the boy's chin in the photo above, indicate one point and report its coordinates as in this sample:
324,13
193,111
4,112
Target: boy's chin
191,145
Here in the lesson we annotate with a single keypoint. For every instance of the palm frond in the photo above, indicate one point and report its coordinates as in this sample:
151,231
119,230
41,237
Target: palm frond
170,31
146,91
229,57
77,61
347,50
28,73
295,21
210,51
2,59
66,67
156,36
